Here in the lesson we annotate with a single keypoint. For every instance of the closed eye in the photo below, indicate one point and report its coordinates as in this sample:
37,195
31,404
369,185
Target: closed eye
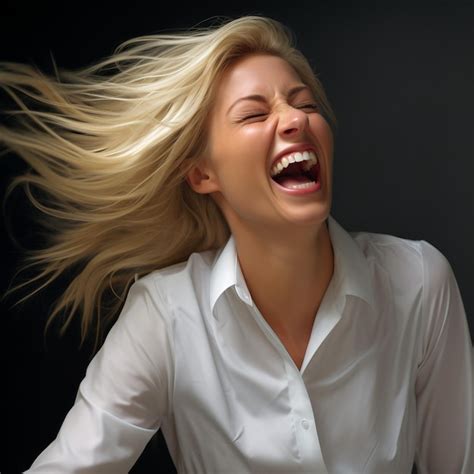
312,106
304,106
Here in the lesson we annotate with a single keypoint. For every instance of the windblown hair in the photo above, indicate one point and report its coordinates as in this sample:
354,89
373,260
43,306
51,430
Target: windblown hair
108,148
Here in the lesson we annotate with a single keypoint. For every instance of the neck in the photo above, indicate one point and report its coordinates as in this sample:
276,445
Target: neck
287,276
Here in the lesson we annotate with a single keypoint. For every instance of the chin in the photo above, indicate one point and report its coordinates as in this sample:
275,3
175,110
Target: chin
308,219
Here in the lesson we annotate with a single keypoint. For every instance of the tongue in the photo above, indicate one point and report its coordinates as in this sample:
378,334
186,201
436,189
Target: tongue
288,181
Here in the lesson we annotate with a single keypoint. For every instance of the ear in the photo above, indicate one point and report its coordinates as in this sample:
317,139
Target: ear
202,179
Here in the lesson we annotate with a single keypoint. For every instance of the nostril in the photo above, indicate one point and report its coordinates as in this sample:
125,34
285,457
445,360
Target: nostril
291,130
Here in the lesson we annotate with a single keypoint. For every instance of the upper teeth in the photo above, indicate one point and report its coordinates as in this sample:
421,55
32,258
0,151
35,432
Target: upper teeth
285,161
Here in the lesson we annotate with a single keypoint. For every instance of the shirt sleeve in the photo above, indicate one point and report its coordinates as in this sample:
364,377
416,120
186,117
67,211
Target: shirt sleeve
123,397
444,383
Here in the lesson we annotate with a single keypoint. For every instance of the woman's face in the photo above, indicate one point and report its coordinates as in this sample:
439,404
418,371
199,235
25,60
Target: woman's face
246,135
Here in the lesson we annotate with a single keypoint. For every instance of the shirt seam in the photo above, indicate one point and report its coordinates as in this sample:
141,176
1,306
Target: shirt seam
170,336
426,353
392,240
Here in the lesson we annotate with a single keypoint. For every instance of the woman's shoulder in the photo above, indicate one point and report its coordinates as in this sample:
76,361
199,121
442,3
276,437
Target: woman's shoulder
181,279
387,247
401,255
196,262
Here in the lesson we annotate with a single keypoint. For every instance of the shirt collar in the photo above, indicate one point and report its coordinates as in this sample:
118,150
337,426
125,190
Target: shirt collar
352,274
351,271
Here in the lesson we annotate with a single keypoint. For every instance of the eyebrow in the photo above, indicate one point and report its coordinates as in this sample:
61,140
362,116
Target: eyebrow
261,98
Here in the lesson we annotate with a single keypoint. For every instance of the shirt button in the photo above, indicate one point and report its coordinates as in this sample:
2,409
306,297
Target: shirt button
305,423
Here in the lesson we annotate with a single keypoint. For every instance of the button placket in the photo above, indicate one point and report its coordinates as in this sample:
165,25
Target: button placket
303,416
300,403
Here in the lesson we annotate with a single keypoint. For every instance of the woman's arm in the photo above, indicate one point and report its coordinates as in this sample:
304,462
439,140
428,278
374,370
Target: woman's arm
444,384
122,399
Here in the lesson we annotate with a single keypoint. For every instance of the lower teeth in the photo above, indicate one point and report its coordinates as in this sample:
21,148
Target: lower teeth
301,186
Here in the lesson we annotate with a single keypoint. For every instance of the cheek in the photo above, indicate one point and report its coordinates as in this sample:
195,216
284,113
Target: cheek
253,143
323,134
244,151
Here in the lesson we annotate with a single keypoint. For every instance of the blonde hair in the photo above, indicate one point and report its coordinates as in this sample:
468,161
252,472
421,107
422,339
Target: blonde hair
110,147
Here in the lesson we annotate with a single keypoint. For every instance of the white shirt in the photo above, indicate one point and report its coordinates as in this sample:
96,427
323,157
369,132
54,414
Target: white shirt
387,377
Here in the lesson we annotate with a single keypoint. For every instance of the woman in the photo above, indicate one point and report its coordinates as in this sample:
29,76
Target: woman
258,334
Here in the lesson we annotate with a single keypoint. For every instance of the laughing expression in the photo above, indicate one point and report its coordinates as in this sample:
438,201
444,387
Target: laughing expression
269,150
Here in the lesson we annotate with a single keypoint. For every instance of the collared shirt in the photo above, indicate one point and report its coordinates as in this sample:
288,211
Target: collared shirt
387,377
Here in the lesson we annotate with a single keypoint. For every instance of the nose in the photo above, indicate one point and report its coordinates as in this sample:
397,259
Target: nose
292,121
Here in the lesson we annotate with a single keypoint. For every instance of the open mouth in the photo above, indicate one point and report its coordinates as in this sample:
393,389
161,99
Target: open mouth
295,176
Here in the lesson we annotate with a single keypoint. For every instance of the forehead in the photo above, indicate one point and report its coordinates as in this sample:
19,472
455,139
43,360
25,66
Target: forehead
257,73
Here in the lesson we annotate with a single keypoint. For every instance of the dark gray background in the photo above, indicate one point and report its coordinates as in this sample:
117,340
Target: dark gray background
400,77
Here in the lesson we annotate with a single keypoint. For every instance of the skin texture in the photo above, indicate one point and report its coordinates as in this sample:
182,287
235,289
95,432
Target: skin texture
282,241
